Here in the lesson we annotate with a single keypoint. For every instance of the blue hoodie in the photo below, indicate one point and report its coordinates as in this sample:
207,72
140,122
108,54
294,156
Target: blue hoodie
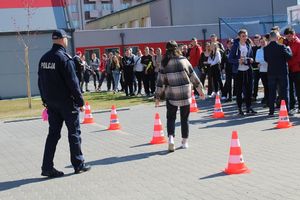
235,54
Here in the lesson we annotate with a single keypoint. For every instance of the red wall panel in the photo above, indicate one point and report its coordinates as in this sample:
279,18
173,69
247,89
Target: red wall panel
31,3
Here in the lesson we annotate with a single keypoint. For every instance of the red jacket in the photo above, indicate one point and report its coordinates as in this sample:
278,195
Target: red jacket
102,65
195,54
294,62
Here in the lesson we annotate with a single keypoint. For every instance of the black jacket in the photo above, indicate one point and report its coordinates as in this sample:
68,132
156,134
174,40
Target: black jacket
57,80
277,55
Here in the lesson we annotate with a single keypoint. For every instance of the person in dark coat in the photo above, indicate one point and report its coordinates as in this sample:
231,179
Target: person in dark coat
79,68
61,95
277,55
241,58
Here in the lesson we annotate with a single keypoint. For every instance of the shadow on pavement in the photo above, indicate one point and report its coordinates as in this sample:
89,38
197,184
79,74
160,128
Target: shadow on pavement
141,145
17,183
233,121
231,115
213,176
115,160
99,131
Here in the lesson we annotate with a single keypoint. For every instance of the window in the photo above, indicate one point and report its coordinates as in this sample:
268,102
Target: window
88,54
89,7
125,6
106,6
76,24
108,50
73,8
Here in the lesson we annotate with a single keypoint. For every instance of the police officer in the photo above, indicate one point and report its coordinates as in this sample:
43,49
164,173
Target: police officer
60,93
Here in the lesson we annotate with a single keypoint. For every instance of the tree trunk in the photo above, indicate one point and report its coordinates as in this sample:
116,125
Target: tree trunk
27,76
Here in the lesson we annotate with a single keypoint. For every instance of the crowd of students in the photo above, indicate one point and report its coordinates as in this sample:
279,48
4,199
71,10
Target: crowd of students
243,62
123,74
272,58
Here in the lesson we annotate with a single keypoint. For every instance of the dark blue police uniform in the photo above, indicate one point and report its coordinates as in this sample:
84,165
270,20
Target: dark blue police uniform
60,92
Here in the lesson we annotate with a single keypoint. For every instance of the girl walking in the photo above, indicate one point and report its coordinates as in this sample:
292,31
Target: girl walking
174,82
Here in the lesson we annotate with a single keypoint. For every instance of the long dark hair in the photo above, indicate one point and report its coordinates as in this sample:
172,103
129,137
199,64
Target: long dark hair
170,53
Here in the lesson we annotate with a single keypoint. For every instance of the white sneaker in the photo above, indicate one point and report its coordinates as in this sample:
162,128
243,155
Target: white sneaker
213,94
171,147
223,98
219,93
184,143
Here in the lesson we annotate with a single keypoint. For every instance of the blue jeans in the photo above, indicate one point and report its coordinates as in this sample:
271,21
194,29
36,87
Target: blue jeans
116,77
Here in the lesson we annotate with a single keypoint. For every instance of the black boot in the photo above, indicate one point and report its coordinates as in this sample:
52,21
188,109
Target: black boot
250,111
241,113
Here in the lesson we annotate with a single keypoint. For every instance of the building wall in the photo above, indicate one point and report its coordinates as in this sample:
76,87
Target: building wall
160,13
118,20
208,11
12,69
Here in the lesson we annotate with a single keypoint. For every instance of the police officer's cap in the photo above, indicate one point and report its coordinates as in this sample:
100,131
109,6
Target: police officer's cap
59,34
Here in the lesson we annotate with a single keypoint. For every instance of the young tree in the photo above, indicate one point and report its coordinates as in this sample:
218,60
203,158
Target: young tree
25,42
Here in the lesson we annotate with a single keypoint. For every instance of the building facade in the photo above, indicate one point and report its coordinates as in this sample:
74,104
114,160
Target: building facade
82,11
29,25
209,14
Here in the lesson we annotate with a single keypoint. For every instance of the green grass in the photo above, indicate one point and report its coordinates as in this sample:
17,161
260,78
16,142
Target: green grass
18,108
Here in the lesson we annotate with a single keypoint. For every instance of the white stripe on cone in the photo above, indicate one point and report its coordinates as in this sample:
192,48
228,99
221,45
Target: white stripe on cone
235,143
88,116
236,159
158,133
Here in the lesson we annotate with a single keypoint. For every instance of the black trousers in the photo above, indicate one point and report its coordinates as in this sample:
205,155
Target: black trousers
280,82
96,77
294,86
256,78
244,86
149,83
56,116
128,82
227,91
206,72
264,80
217,81
184,119
139,77
110,81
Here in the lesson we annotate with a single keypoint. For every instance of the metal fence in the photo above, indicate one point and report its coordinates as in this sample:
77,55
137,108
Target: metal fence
228,27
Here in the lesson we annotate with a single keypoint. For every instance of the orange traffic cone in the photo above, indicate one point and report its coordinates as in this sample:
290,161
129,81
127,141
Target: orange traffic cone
158,134
88,117
193,105
236,163
218,111
284,121
114,121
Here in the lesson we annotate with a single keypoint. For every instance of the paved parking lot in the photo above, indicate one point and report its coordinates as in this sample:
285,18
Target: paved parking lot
125,166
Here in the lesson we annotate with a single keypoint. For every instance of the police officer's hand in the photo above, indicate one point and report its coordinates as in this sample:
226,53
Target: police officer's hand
82,109
45,105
